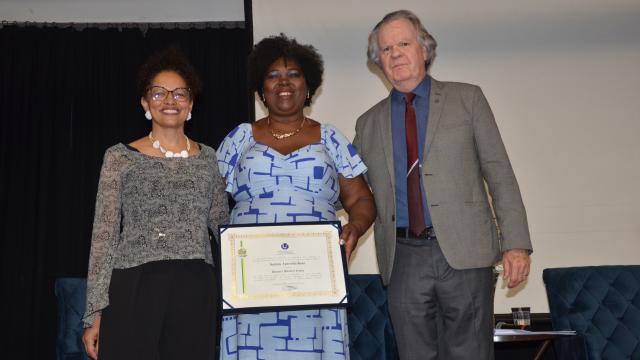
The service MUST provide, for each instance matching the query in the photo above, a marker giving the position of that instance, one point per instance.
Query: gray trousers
(439, 312)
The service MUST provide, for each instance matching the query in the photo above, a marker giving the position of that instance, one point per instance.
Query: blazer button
(393, 218)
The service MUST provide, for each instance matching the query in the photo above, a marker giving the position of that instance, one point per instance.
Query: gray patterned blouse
(149, 209)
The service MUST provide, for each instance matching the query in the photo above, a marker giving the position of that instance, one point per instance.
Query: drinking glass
(521, 317)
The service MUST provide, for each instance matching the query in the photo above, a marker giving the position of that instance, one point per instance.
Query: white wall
(563, 79)
(121, 10)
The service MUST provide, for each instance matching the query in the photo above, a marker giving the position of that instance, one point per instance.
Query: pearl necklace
(278, 135)
(170, 154)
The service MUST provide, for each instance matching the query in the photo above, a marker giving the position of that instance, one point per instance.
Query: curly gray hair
(424, 38)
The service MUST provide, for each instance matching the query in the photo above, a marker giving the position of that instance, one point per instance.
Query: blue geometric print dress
(270, 187)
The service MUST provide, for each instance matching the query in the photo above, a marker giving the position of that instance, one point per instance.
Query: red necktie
(414, 191)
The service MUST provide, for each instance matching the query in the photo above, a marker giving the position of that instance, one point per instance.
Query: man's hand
(516, 264)
(90, 338)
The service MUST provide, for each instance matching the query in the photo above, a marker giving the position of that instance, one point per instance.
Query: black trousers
(161, 310)
(439, 312)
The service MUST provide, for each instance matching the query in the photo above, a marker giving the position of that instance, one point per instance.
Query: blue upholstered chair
(71, 294)
(602, 304)
(370, 330)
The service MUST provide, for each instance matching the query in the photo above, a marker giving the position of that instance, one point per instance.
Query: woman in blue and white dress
(289, 168)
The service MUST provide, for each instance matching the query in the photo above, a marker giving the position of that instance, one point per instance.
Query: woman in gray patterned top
(151, 288)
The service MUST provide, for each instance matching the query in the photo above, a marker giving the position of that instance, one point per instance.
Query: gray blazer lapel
(436, 104)
(385, 133)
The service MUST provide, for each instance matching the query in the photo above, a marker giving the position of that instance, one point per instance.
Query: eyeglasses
(159, 93)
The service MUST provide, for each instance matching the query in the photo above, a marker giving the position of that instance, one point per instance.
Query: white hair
(424, 38)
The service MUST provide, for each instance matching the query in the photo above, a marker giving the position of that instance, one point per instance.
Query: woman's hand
(357, 200)
(349, 238)
(90, 338)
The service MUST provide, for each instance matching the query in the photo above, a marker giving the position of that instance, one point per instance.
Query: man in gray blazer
(436, 160)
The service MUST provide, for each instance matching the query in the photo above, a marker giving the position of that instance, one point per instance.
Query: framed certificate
(282, 266)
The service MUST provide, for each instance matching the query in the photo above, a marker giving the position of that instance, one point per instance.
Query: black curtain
(66, 94)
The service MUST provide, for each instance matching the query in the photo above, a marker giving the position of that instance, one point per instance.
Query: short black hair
(272, 48)
(169, 59)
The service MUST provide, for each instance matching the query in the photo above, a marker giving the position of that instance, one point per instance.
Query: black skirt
(161, 310)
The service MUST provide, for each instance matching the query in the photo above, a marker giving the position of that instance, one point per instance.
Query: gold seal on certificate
(282, 266)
